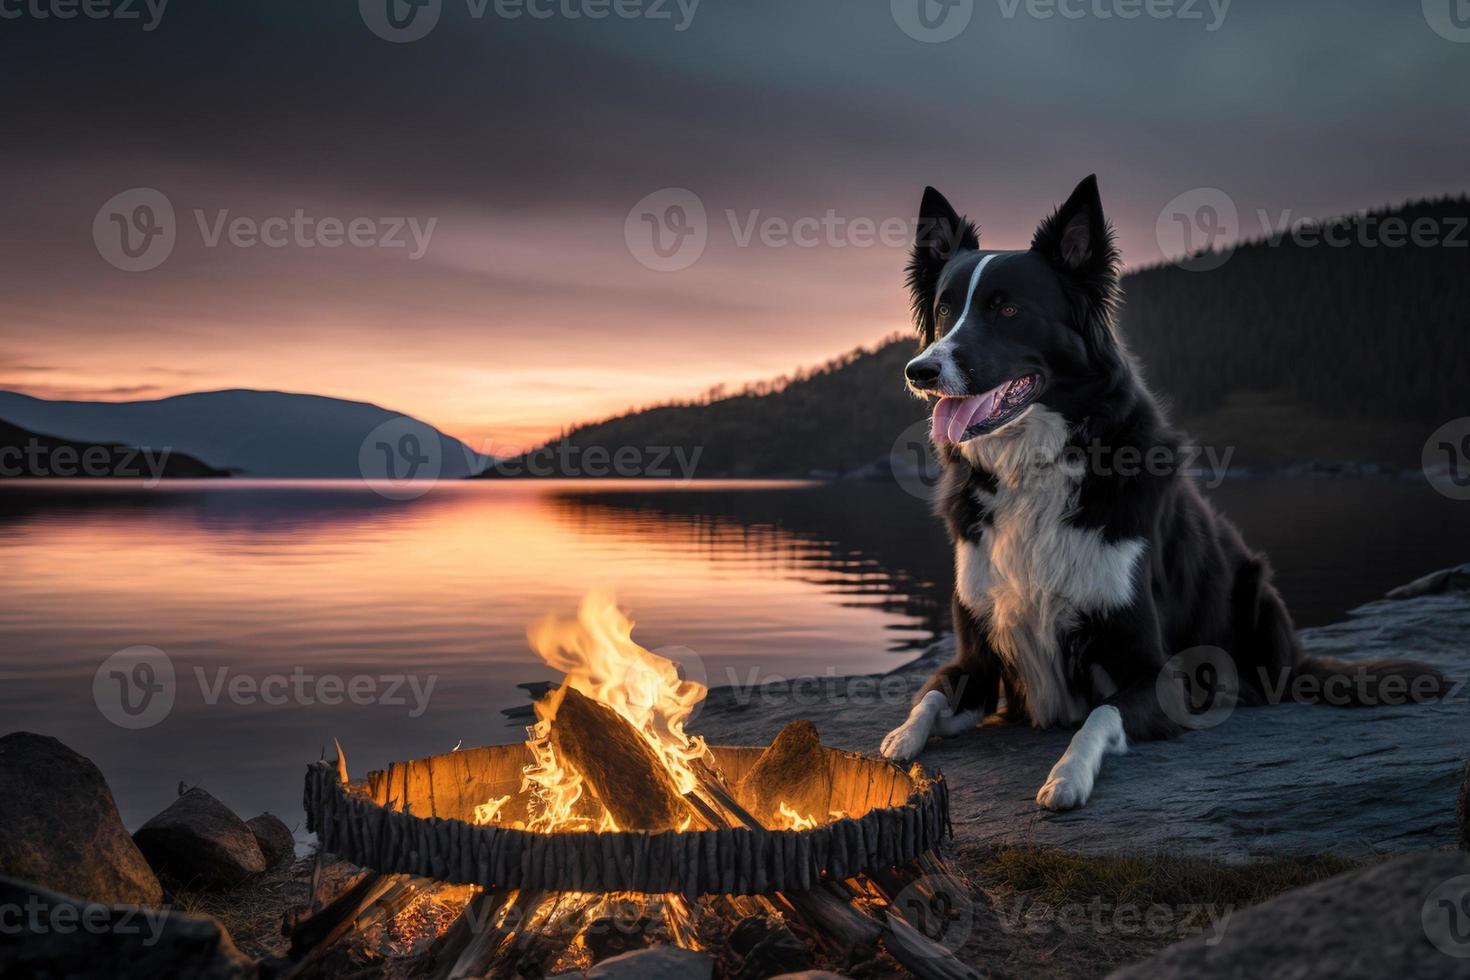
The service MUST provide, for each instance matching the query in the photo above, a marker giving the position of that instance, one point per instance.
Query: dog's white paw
(905, 742)
(1065, 790)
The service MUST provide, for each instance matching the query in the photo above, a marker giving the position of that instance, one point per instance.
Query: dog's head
(1004, 331)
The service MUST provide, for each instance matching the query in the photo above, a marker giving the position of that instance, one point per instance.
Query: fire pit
(769, 856)
(419, 818)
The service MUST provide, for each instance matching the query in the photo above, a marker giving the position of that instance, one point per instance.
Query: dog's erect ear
(942, 234)
(1078, 241)
(1077, 238)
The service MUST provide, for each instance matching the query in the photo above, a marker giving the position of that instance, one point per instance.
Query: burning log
(617, 764)
(792, 770)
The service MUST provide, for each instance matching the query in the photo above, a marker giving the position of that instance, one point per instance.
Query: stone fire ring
(417, 819)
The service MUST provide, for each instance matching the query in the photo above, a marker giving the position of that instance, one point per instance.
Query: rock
(49, 934)
(59, 826)
(766, 947)
(1370, 923)
(1284, 780)
(277, 845)
(1435, 583)
(199, 840)
(659, 963)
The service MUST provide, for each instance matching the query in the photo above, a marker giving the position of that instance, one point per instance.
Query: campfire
(612, 828)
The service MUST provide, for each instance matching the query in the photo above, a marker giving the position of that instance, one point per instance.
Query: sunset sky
(527, 141)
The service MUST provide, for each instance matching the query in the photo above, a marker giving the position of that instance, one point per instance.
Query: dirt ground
(1020, 912)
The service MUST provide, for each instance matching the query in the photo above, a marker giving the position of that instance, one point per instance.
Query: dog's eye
(1009, 310)
(943, 310)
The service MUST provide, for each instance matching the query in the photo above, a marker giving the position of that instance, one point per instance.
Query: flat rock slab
(1280, 780)
(1403, 918)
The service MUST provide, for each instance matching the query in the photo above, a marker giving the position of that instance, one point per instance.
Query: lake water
(263, 596)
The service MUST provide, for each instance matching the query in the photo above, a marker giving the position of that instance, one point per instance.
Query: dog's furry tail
(1365, 683)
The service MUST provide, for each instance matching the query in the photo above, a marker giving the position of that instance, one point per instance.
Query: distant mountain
(836, 417)
(30, 455)
(257, 433)
(1291, 350)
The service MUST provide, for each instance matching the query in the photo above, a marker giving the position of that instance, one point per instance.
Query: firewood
(792, 770)
(618, 765)
(922, 956)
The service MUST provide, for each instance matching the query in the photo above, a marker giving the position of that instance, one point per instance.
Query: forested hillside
(1293, 349)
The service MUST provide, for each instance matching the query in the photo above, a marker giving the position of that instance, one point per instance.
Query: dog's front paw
(1064, 790)
(905, 742)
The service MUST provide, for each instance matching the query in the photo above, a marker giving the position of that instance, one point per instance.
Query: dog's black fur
(1049, 312)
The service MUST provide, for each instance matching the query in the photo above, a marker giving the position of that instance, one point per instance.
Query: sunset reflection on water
(259, 580)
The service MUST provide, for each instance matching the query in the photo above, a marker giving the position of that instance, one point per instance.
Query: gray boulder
(276, 842)
(197, 840)
(59, 825)
(51, 935)
(659, 963)
(1404, 918)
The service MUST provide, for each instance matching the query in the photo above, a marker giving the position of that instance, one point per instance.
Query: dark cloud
(530, 139)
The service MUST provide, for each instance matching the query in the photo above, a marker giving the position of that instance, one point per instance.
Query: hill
(1293, 349)
(30, 455)
(251, 433)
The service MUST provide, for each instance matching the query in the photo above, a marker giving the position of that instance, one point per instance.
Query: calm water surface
(239, 583)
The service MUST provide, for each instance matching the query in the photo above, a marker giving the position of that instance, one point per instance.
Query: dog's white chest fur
(1031, 575)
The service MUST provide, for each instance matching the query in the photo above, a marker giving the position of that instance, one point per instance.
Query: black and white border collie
(1076, 580)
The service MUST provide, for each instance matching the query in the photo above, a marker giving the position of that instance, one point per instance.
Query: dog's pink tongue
(952, 416)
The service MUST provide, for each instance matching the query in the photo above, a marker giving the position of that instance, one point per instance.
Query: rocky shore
(198, 891)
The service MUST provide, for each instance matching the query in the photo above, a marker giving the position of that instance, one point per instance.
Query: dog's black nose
(922, 373)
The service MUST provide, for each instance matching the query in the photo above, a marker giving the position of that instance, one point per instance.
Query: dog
(1086, 591)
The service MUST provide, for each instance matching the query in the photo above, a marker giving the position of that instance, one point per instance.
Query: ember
(612, 828)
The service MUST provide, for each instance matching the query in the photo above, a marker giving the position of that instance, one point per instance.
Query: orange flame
(597, 653)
